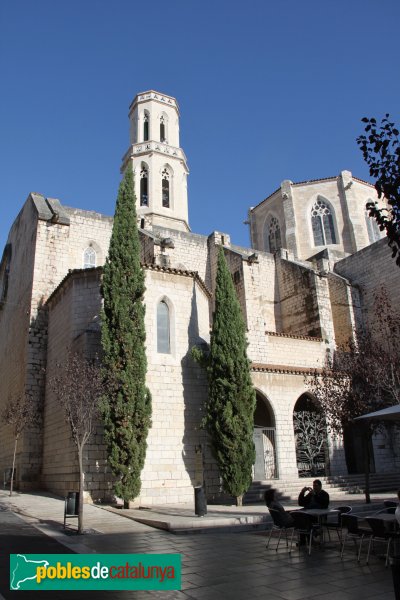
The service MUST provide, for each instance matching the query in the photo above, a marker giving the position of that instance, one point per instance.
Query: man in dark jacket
(314, 497)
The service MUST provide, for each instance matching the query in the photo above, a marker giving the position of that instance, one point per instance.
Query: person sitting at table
(314, 497)
(397, 512)
(273, 504)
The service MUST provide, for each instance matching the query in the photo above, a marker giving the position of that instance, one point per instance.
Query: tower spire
(158, 162)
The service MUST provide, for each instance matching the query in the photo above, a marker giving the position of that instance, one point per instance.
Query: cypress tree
(126, 406)
(229, 415)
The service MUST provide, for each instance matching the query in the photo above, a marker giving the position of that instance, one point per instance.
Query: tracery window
(165, 188)
(89, 258)
(274, 235)
(146, 126)
(162, 129)
(163, 328)
(144, 187)
(372, 227)
(322, 224)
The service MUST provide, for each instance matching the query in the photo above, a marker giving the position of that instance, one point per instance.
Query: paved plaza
(215, 564)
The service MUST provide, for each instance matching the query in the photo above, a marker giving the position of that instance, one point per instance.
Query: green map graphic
(24, 570)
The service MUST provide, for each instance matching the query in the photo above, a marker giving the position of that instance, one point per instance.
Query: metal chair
(390, 504)
(353, 531)
(336, 524)
(389, 510)
(380, 534)
(278, 525)
(305, 527)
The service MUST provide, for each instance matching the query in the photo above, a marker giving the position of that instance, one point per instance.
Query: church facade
(305, 285)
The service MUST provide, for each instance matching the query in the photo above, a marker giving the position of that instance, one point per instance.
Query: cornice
(181, 272)
(294, 337)
(284, 369)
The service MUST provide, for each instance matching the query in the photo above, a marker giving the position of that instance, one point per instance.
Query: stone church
(305, 285)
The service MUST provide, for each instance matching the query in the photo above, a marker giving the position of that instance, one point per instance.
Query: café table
(320, 514)
(389, 519)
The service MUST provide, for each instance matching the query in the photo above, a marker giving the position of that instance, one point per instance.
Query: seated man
(283, 517)
(397, 513)
(314, 497)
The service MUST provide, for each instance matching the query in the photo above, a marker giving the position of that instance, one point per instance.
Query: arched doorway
(266, 465)
(311, 438)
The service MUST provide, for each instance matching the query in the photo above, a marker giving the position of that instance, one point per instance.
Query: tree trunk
(13, 465)
(81, 484)
(367, 458)
(239, 500)
(126, 503)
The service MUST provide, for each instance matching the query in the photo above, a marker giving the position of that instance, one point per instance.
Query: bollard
(200, 502)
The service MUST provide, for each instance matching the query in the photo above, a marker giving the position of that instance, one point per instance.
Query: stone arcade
(305, 286)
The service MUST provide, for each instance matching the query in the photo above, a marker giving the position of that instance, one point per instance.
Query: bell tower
(158, 162)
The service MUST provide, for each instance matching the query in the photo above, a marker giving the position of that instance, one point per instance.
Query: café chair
(354, 531)
(305, 527)
(336, 523)
(380, 534)
(390, 504)
(278, 525)
(389, 510)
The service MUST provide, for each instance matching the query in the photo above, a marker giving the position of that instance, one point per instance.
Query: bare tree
(18, 413)
(381, 151)
(310, 432)
(363, 376)
(78, 387)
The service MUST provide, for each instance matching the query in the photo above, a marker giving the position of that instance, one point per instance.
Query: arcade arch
(311, 437)
(266, 464)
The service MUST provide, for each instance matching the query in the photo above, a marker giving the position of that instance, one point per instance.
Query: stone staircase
(336, 485)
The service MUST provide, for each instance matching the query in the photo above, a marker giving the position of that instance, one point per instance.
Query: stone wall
(346, 308)
(298, 299)
(23, 336)
(190, 251)
(369, 270)
(73, 324)
(176, 443)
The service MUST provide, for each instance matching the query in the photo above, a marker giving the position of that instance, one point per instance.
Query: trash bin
(395, 564)
(72, 503)
(71, 507)
(200, 502)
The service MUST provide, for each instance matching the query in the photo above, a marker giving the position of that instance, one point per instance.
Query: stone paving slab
(47, 511)
(180, 517)
(214, 566)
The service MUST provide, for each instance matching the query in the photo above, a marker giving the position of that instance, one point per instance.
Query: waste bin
(395, 564)
(71, 507)
(200, 502)
(72, 503)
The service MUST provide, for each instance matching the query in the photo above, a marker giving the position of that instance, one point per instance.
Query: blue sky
(268, 90)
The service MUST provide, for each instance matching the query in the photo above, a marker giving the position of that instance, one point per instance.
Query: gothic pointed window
(274, 235)
(89, 258)
(144, 187)
(162, 129)
(146, 124)
(165, 188)
(163, 329)
(322, 224)
(372, 227)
